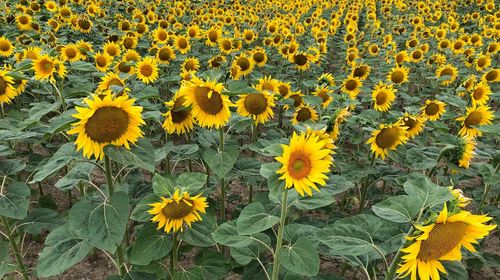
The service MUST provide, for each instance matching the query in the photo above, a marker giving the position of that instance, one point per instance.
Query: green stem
(222, 181)
(2, 112)
(487, 188)
(364, 189)
(14, 248)
(109, 178)
(121, 261)
(174, 255)
(440, 156)
(279, 241)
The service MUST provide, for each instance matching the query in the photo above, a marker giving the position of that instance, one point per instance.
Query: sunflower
(459, 198)
(147, 70)
(249, 35)
(304, 113)
(351, 86)
(333, 125)
(464, 151)
(325, 94)
(213, 36)
(481, 93)
(326, 78)
(245, 63)
(102, 61)
(398, 75)
(112, 49)
(110, 80)
(160, 35)
(216, 61)
(209, 106)
(301, 61)
(361, 71)
(387, 138)
(259, 56)
(45, 67)
(7, 89)
(414, 125)
(191, 64)
(305, 163)
(179, 209)
(267, 83)
(70, 53)
(106, 121)
(447, 74)
(165, 54)
(442, 240)
(258, 106)
(284, 89)
(6, 47)
(85, 48)
(383, 95)
(182, 44)
(482, 62)
(24, 21)
(235, 72)
(475, 116)
(492, 76)
(433, 109)
(178, 118)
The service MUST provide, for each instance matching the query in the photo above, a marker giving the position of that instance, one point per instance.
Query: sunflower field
(249, 139)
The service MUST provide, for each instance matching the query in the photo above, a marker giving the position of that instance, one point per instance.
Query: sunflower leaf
(150, 245)
(221, 163)
(398, 209)
(63, 156)
(428, 193)
(14, 200)
(301, 257)
(254, 219)
(139, 156)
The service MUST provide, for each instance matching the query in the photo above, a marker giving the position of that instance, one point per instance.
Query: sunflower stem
(2, 112)
(397, 259)
(279, 240)
(487, 188)
(13, 245)
(121, 262)
(364, 189)
(222, 181)
(173, 255)
(109, 177)
(438, 159)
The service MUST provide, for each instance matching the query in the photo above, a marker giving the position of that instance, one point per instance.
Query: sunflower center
(303, 115)
(478, 93)
(482, 62)
(182, 43)
(299, 165)
(243, 63)
(492, 75)
(359, 72)
(258, 57)
(474, 118)
(300, 59)
(397, 77)
(107, 124)
(162, 36)
(112, 51)
(297, 100)
(446, 72)
(213, 104)
(3, 86)
(283, 90)
(351, 85)
(387, 137)
(4, 46)
(442, 239)
(431, 109)
(71, 53)
(23, 20)
(213, 36)
(410, 123)
(381, 98)
(324, 95)
(164, 54)
(123, 67)
(177, 210)
(190, 65)
(47, 66)
(146, 70)
(115, 82)
(179, 113)
(84, 24)
(256, 103)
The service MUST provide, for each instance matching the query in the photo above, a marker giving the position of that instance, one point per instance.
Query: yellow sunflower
(216, 61)
(325, 94)
(112, 49)
(304, 113)
(178, 118)
(191, 64)
(6, 47)
(414, 125)
(442, 240)
(102, 61)
(398, 75)
(326, 78)
(259, 56)
(492, 76)
(245, 63)
(267, 83)
(387, 138)
(258, 106)
(447, 74)
(305, 163)
(213, 36)
(361, 71)
(70, 53)
(106, 121)
(110, 80)
(383, 95)
(174, 212)
(302, 61)
(352, 86)
(147, 70)
(475, 116)
(209, 106)
(165, 54)
(333, 125)
(7, 89)
(465, 151)
(182, 44)
(481, 93)
(285, 89)
(482, 62)
(460, 199)
(45, 67)
(433, 109)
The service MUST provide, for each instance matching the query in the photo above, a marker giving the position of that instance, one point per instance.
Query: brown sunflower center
(115, 82)
(3, 86)
(381, 97)
(101, 61)
(176, 210)
(397, 77)
(243, 63)
(4, 46)
(258, 57)
(213, 36)
(410, 123)
(107, 124)
(431, 109)
(387, 137)
(297, 100)
(182, 43)
(23, 20)
(299, 165)
(442, 239)
(283, 90)
(324, 95)
(84, 24)
(474, 118)
(482, 62)
(179, 113)
(164, 54)
(256, 103)
(211, 105)
(359, 71)
(162, 36)
(300, 59)
(123, 67)
(351, 85)
(478, 93)
(446, 72)
(71, 53)
(47, 66)
(491, 76)
(304, 114)
(146, 70)
(128, 43)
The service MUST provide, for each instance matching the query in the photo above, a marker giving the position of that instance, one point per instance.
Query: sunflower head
(398, 75)
(433, 109)
(258, 106)
(475, 116)
(387, 138)
(383, 95)
(175, 212)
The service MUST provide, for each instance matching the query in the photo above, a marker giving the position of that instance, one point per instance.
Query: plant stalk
(364, 189)
(174, 255)
(487, 188)
(222, 181)
(14, 248)
(279, 241)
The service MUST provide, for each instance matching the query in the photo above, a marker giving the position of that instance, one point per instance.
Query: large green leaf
(14, 200)
(254, 218)
(103, 223)
(162, 186)
(140, 212)
(80, 172)
(62, 250)
(40, 219)
(428, 193)
(61, 158)
(301, 257)
(221, 163)
(213, 265)
(244, 255)
(226, 234)
(191, 182)
(151, 244)
(10, 167)
(200, 232)
(399, 209)
(5, 265)
(139, 156)
(318, 200)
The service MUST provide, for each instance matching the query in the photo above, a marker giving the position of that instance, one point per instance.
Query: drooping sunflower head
(259, 106)
(383, 95)
(210, 107)
(387, 138)
(475, 116)
(326, 78)
(447, 74)
(147, 70)
(304, 113)
(305, 163)
(106, 121)
(178, 118)
(398, 75)
(433, 110)
(175, 212)
(111, 82)
(459, 198)
(352, 86)
(414, 125)
(361, 71)
(442, 240)
(7, 89)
